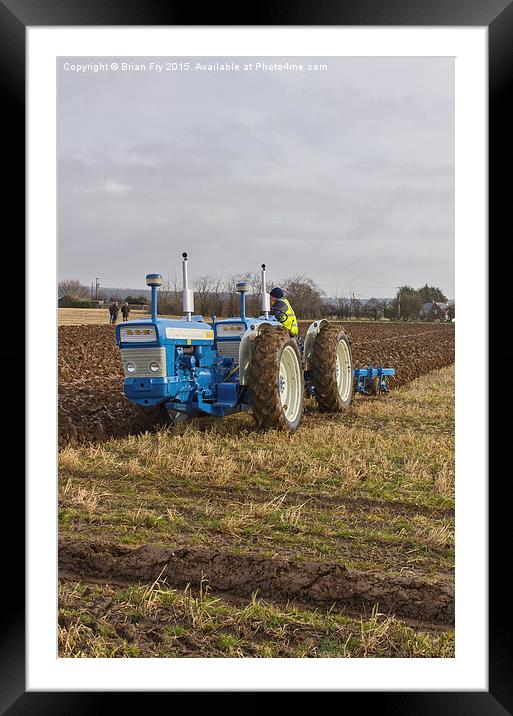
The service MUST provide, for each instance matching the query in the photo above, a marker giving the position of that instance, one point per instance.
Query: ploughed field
(91, 401)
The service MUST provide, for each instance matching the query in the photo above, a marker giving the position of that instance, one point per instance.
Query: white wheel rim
(289, 384)
(343, 370)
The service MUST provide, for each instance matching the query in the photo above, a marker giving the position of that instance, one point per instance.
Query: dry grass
(96, 316)
(373, 487)
(87, 498)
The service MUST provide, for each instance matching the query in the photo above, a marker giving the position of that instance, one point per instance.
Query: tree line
(405, 306)
(214, 294)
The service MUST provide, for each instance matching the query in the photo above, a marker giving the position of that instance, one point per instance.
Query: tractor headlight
(154, 366)
(130, 367)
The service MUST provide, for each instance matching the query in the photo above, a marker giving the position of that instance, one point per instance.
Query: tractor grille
(137, 334)
(229, 348)
(141, 358)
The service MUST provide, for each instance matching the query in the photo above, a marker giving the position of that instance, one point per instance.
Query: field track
(91, 401)
(317, 584)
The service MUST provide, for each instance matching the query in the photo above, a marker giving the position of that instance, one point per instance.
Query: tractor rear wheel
(275, 379)
(332, 369)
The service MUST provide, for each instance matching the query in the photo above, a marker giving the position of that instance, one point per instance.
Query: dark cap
(277, 293)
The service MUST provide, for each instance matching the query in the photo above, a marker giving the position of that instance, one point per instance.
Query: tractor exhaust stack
(188, 293)
(265, 302)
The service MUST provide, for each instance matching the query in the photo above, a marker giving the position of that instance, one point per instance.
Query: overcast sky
(346, 175)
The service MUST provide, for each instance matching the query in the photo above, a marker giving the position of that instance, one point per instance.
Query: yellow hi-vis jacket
(284, 313)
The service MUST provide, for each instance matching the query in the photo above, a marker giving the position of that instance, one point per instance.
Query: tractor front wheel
(275, 379)
(332, 369)
(152, 418)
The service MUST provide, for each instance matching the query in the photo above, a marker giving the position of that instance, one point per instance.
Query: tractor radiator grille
(229, 348)
(137, 334)
(141, 358)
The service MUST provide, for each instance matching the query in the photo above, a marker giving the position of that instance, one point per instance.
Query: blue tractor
(176, 368)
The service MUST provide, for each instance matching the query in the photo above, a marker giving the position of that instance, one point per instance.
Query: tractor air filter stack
(154, 280)
(188, 293)
(265, 301)
(242, 288)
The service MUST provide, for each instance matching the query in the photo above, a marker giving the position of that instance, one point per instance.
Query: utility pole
(399, 302)
(97, 284)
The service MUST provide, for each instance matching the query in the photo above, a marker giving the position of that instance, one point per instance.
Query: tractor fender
(313, 330)
(245, 350)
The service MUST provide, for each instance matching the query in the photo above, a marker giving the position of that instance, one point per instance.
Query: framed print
(212, 528)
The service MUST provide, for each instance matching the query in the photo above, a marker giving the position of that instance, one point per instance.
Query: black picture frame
(497, 16)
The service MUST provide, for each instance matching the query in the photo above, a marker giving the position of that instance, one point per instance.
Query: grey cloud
(347, 176)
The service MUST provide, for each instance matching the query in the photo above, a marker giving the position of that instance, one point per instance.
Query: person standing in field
(125, 310)
(114, 310)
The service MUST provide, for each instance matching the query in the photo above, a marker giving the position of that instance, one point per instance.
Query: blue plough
(371, 380)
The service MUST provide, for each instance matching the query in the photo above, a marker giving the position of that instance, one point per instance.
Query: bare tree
(201, 290)
(216, 297)
(209, 294)
(231, 298)
(304, 295)
(254, 281)
(387, 308)
(373, 309)
(356, 307)
(170, 299)
(342, 307)
(73, 288)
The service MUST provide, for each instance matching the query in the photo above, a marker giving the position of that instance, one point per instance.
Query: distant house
(435, 311)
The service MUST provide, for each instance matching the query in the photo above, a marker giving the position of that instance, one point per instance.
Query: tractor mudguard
(313, 330)
(245, 350)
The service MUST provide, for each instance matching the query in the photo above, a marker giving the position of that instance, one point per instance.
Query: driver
(283, 311)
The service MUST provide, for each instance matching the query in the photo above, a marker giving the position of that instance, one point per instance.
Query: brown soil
(313, 583)
(91, 401)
